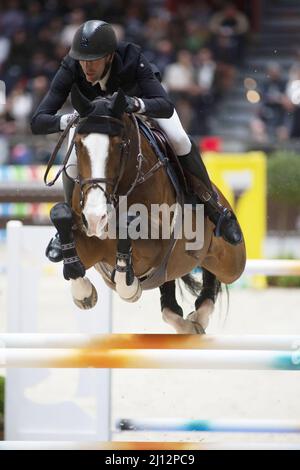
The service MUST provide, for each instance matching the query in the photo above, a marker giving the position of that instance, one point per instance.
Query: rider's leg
(194, 168)
(53, 250)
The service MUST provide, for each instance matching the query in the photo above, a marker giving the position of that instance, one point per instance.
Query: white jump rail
(150, 341)
(273, 267)
(209, 425)
(123, 445)
(150, 359)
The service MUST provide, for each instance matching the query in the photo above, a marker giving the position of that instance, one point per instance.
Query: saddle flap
(162, 147)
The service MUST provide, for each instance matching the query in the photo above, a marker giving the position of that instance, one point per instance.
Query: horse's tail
(192, 285)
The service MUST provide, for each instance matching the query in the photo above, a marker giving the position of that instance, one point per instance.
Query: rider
(100, 66)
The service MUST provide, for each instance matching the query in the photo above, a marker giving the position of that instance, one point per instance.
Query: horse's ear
(82, 105)
(118, 103)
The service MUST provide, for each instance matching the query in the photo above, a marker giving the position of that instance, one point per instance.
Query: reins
(55, 152)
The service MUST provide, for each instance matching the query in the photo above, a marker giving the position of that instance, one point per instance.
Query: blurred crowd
(198, 46)
(278, 115)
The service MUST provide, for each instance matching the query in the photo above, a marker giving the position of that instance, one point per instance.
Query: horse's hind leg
(204, 304)
(172, 313)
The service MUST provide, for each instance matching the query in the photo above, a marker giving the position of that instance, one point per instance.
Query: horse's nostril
(103, 218)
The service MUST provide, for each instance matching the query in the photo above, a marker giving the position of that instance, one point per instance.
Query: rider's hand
(66, 119)
(133, 104)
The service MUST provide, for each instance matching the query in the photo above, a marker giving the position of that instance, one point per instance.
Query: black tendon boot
(53, 250)
(197, 176)
(62, 217)
(124, 253)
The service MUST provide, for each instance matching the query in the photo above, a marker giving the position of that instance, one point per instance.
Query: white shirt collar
(103, 80)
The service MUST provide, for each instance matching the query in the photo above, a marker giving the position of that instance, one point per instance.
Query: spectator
(4, 49)
(196, 36)
(229, 28)
(35, 18)
(272, 118)
(293, 94)
(162, 55)
(17, 63)
(19, 105)
(179, 79)
(38, 87)
(204, 101)
(12, 19)
(155, 29)
(76, 18)
(133, 24)
(206, 70)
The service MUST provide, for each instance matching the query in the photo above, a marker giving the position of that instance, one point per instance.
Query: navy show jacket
(130, 71)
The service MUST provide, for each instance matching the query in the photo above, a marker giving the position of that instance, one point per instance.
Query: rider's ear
(82, 105)
(118, 103)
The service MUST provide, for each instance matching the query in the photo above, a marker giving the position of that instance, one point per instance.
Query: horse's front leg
(83, 292)
(127, 284)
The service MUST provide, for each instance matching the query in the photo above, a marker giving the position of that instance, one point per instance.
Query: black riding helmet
(93, 40)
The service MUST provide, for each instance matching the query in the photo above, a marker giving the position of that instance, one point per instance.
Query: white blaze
(95, 209)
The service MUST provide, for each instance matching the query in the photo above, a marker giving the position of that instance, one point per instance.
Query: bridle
(86, 184)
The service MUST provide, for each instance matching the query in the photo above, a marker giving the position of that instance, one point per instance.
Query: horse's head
(100, 134)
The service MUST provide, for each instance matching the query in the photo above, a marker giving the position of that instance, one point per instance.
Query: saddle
(165, 153)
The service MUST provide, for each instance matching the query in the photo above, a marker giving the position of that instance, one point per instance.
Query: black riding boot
(53, 250)
(224, 219)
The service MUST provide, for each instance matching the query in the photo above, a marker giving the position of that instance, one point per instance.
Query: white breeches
(176, 134)
(72, 163)
(171, 126)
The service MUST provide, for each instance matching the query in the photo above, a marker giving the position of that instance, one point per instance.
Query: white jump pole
(123, 445)
(273, 267)
(209, 425)
(150, 341)
(151, 359)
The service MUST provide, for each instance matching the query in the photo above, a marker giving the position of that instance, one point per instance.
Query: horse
(116, 160)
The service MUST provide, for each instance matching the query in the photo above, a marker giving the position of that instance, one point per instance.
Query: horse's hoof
(87, 302)
(198, 328)
(181, 326)
(130, 293)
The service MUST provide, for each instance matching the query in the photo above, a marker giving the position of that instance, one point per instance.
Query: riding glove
(66, 118)
(134, 105)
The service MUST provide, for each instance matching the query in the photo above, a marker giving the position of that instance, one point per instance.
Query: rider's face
(93, 69)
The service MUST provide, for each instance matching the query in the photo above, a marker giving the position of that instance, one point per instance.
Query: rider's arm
(156, 102)
(45, 120)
